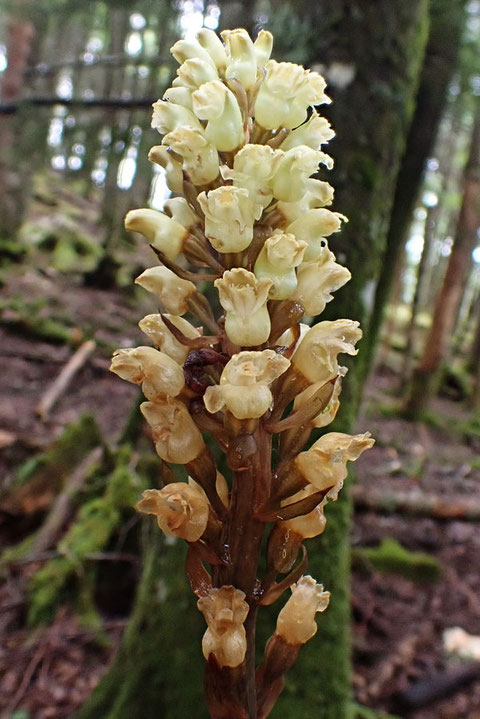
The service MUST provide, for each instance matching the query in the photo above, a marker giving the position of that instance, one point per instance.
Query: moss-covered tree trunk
(378, 47)
(372, 55)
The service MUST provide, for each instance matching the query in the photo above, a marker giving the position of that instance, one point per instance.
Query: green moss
(90, 532)
(365, 713)
(391, 558)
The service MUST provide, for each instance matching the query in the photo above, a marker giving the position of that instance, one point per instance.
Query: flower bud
(263, 47)
(279, 256)
(194, 72)
(184, 50)
(200, 157)
(210, 41)
(316, 280)
(312, 227)
(316, 355)
(318, 194)
(229, 218)
(213, 101)
(253, 168)
(313, 133)
(285, 95)
(168, 116)
(155, 328)
(244, 384)
(296, 621)
(179, 209)
(161, 231)
(176, 436)
(293, 170)
(158, 374)
(325, 463)
(242, 60)
(225, 611)
(173, 169)
(181, 509)
(172, 291)
(244, 298)
(179, 95)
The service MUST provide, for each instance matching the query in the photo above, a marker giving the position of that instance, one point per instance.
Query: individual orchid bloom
(325, 463)
(159, 375)
(184, 50)
(179, 95)
(210, 42)
(195, 72)
(244, 388)
(200, 157)
(225, 611)
(317, 280)
(279, 256)
(296, 621)
(242, 59)
(317, 194)
(229, 217)
(179, 209)
(253, 169)
(263, 47)
(160, 155)
(161, 231)
(244, 298)
(329, 413)
(313, 227)
(168, 116)
(214, 102)
(181, 509)
(308, 525)
(316, 355)
(171, 290)
(156, 329)
(176, 437)
(290, 180)
(315, 132)
(286, 94)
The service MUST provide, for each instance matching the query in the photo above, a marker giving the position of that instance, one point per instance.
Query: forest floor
(398, 622)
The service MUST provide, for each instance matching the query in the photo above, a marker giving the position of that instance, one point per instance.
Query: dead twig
(416, 503)
(61, 382)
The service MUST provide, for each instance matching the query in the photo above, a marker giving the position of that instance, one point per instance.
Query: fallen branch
(61, 382)
(62, 507)
(416, 503)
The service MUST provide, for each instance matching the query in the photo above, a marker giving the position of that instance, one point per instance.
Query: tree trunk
(446, 23)
(425, 375)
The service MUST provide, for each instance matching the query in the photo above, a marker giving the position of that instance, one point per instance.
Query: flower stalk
(241, 141)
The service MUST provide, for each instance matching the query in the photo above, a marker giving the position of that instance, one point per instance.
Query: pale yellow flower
(316, 355)
(244, 387)
(244, 298)
(312, 227)
(210, 42)
(159, 375)
(225, 611)
(200, 157)
(263, 47)
(296, 621)
(229, 218)
(242, 59)
(317, 194)
(181, 509)
(330, 412)
(155, 328)
(317, 280)
(161, 231)
(168, 116)
(286, 93)
(195, 72)
(325, 463)
(176, 436)
(290, 180)
(185, 49)
(172, 291)
(173, 168)
(315, 132)
(279, 256)
(253, 169)
(214, 102)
